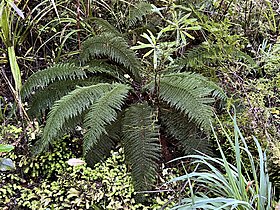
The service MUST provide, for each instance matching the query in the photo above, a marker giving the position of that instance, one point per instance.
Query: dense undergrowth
(49, 182)
(148, 75)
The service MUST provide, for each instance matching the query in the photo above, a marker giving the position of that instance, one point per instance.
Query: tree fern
(141, 143)
(136, 12)
(78, 95)
(43, 78)
(67, 107)
(103, 112)
(113, 47)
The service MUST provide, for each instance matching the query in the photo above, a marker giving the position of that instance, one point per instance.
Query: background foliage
(233, 43)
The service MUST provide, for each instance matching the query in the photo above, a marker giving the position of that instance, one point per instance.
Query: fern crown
(112, 107)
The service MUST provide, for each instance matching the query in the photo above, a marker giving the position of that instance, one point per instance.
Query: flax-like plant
(224, 185)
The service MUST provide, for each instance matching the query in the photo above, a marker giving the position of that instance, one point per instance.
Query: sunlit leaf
(6, 148)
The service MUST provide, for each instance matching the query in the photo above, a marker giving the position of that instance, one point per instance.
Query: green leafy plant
(107, 185)
(115, 100)
(228, 186)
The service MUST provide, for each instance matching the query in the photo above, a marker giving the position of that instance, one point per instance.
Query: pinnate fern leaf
(102, 148)
(43, 78)
(141, 143)
(44, 99)
(205, 54)
(189, 136)
(103, 112)
(137, 12)
(189, 93)
(105, 26)
(69, 106)
(113, 47)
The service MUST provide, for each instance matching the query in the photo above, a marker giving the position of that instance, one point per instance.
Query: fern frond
(103, 112)
(43, 78)
(105, 26)
(113, 47)
(207, 54)
(188, 135)
(136, 12)
(140, 136)
(188, 93)
(68, 107)
(101, 67)
(105, 144)
(44, 99)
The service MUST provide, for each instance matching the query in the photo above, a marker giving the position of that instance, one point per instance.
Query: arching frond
(43, 78)
(189, 136)
(99, 66)
(105, 26)
(136, 12)
(113, 47)
(206, 54)
(140, 135)
(103, 112)
(44, 99)
(105, 144)
(68, 107)
(188, 93)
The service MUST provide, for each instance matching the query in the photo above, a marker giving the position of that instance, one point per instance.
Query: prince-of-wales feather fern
(113, 107)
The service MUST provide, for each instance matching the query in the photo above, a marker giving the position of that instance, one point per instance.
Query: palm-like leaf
(103, 112)
(141, 143)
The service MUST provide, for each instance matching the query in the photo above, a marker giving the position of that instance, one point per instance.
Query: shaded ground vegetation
(158, 104)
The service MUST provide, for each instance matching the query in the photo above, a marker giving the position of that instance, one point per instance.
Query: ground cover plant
(143, 76)
(228, 186)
